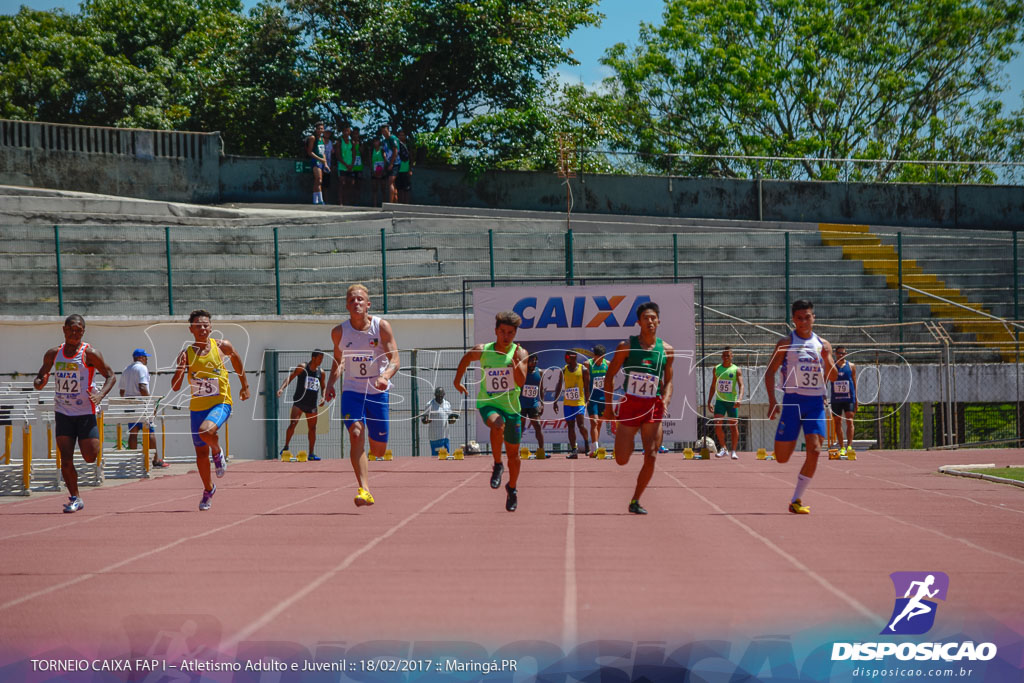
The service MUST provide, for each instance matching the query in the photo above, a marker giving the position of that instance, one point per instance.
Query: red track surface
(285, 556)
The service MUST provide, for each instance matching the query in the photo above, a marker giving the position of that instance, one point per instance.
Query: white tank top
(72, 383)
(803, 371)
(363, 356)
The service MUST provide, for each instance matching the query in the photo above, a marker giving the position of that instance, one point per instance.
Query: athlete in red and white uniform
(75, 399)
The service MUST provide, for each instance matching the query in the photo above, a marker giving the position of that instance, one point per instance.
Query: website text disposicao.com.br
(903, 673)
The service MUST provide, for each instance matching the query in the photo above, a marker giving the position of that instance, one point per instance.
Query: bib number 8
(361, 366)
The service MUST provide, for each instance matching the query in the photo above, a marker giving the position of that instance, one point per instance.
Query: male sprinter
(597, 368)
(74, 400)
(806, 362)
(576, 379)
(646, 362)
(503, 366)
(724, 402)
(306, 399)
(844, 400)
(365, 349)
(531, 402)
(203, 362)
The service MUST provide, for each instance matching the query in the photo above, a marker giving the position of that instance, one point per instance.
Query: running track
(285, 556)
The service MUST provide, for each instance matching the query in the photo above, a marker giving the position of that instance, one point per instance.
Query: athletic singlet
(208, 378)
(644, 369)
(344, 154)
(307, 387)
(498, 387)
(377, 161)
(529, 397)
(320, 147)
(597, 376)
(73, 382)
(843, 390)
(357, 164)
(572, 386)
(363, 356)
(802, 368)
(726, 384)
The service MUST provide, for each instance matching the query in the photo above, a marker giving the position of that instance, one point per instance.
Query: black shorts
(841, 408)
(403, 181)
(530, 413)
(306, 408)
(355, 175)
(76, 426)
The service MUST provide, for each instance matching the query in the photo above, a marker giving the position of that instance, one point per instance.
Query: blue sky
(621, 24)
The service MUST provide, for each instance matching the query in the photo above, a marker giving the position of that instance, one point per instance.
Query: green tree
(871, 79)
(428, 64)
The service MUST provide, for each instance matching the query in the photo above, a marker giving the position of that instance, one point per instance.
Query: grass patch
(1016, 473)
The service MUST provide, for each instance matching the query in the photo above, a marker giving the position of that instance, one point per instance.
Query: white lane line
(569, 606)
(815, 576)
(938, 493)
(173, 544)
(79, 519)
(274, 612)
(940, 534)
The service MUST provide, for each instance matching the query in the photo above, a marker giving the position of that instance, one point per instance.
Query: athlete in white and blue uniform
(805, 360)
(844, 400)
(365, 349)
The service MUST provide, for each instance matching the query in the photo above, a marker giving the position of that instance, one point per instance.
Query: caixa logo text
(579, 311)
(922, 652)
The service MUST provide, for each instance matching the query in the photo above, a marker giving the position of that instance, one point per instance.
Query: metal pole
(270, 397)
(785, 309)
(277, 272)
(60, 277)
(569, 270)
(384, 267)
(899, 287)
(170, 279)
(415, 403)
(490, 252)
(675, 258)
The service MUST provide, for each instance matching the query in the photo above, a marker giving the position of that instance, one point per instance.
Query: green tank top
(597, 379)
(345, 155)
(725, 383)
(644, 369)
(358, 165)
(498, 387)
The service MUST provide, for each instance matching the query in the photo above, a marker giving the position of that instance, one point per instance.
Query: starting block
(524, 453)
(602, 453)
(388, 455)
(301, 456)
(442, 453)
(541, 455)
(762, 454)
(459, 455)
(705, 453)
(286, 456)
(688, 453)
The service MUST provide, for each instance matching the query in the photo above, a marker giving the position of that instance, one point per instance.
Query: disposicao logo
(914, 614)
(579, 311)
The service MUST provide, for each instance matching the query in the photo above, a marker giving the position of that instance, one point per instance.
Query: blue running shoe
(74, 504)
(219, 464)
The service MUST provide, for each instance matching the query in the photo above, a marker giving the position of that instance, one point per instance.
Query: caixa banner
(561, 322)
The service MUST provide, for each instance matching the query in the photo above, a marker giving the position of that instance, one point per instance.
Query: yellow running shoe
(363, 498)
(798, 508)
(851, 454)
(842, 451)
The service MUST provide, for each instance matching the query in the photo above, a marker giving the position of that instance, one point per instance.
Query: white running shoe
(734, 456)
(722, 453)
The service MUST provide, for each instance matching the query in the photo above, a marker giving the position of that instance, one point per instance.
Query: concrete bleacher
(122, 268)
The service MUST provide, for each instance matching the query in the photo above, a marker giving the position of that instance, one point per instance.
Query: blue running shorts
(801, 411)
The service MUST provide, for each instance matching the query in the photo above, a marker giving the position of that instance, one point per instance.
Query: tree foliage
(871, 79)
(428, 64)
(162, 64)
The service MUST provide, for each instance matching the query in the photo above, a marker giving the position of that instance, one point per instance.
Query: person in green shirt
(724, 402)
(346, 165)
(503, 369)
(403, 183)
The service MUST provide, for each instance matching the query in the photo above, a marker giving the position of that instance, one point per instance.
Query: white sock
(801, 486)
(314, 196)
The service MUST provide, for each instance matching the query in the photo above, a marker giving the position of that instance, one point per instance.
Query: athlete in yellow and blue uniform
(203, 362)
(575, 379)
